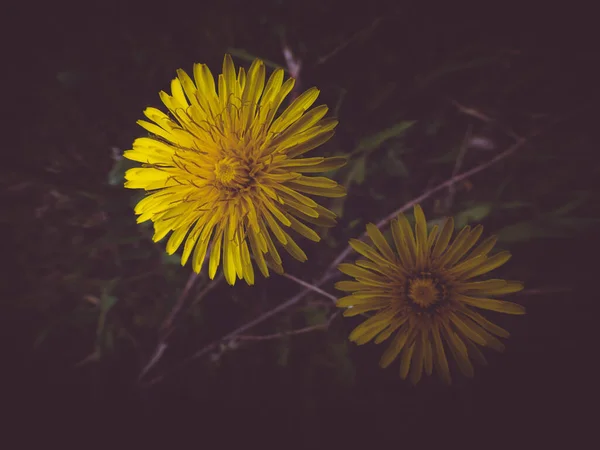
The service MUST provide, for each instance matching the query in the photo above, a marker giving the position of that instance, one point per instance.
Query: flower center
(231, 173)
(423, 291)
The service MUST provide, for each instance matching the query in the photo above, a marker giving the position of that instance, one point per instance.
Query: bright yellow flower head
(223, 169)
(423, 294)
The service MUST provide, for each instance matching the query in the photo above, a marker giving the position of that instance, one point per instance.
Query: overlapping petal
(224, 173)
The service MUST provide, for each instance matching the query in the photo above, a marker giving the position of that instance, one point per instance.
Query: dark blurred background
(422, 92)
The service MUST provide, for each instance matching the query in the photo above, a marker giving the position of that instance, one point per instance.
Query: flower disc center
(231, 173)
(423, 291)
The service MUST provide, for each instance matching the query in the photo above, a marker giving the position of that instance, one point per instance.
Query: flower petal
(380, 242)
(492, 304)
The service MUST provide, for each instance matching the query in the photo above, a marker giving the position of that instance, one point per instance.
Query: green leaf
(475, 213)
(381, 96)
(315, 316)
(522, 231)
(173, 259)
(354, 223)
(337, 206)
(394, 164)
(116, 176)
(376, 140)
(283, 345)
(575, 224)
(445, 158)
(456, 66)
(249, 57)
(580, 199)
(548, 227)
(283, 351)
(357, 173)
(433, 127)
(107, 301)
(340, 358)
(514, 205)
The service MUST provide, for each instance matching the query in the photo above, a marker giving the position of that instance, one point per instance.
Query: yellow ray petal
(295, 110)
(492, 304)
(444, 238)
(258, 253)
(474, 353)
(460, 251)
(302, 124)
(440, 360)
(459, 350)
(215, 254)
(420, 237)
(368, 252)
(360, 309)
(454, 247)
(199, 254)
(380, 242)
(367, 330)
(406, 257)
(483, 322)
(293, 248)
(349, 286)
(302, 229)
(314, 165)
(307, 145)
(248, 270)
(361, 300)
(405, 359)
(336, 191)
(359, 272)
(465, 329)
(394, 325)
(229, 260)
(418, 362)
(485, 247)
(427, 352)
(392, 352)
(487, 266)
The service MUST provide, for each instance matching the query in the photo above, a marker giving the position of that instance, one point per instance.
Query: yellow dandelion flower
(227, 169)
(423, 293)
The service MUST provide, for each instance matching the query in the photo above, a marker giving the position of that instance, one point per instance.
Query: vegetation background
(422, 92)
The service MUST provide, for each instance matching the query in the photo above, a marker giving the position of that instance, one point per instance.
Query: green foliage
(94, 275)
(375, 141)
(474, 214)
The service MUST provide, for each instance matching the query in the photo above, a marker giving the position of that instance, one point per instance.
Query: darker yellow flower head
(225, 169)
(423, 294)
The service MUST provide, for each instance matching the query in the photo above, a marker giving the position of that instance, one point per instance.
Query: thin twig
(322, 326)
(312, 287)
(331, 273)
(430, 192)
(167, 326)
(543, 291)
(484, 118)
(168, 322)
(210, 347)
(457, 166)
(294, 66)
(354, 37)
(209, 287)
